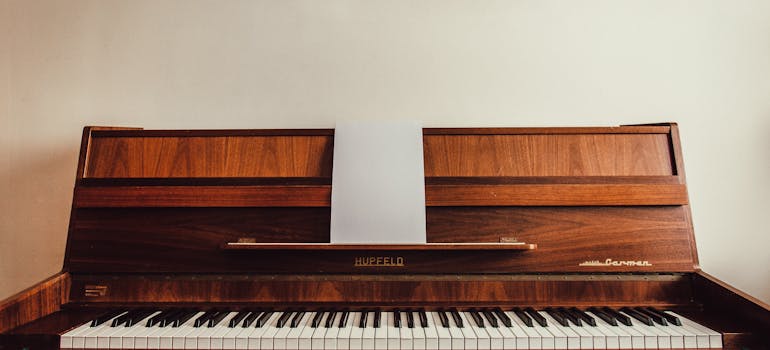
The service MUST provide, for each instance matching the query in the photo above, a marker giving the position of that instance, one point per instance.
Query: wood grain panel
(548, 155)
(188, 240)
(35, 302)
(210, 156)
(441, 291)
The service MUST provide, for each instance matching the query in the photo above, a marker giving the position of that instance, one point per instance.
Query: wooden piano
(530, 231)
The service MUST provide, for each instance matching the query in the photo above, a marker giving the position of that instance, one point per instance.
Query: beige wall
(268, 64)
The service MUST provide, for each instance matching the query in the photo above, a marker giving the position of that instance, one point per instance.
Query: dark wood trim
(555, 195)
(435, 195)
(550, 180)
(35, 302)
(548, 130)
(213, 133)
(729, 303)
(203, 196)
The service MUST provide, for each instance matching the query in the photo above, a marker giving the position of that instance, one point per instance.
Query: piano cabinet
(539, 218)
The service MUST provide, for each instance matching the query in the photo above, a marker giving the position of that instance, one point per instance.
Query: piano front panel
(569, 239)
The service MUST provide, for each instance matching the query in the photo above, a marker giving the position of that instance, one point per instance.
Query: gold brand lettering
(387, 261)
(610, 262)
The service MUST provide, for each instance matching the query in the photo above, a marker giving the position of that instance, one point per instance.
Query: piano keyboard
(520, 328)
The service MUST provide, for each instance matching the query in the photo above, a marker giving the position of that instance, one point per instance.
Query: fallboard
(584, 200)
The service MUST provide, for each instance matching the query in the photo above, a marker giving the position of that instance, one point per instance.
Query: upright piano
(537, 238)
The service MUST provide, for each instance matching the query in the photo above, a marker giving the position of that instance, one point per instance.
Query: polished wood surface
(35, 302)
(606, 208)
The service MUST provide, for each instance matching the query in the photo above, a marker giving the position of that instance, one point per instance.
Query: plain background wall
(289, 64)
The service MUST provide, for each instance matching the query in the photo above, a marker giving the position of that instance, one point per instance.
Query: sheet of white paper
(378, 183)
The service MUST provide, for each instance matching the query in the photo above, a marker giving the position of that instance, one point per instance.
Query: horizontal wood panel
(414, 290)
(214, 156)
(548, 155)
(435, 195)
(189, 240)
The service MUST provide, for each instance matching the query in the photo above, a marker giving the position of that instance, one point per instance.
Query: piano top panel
(510, 152)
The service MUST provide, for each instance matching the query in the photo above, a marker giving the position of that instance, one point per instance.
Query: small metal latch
(95, 290)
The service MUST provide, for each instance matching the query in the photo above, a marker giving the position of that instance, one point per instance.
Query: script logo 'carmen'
(610, 262)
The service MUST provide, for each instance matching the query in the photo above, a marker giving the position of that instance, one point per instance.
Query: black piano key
(295, 321)
(238, 318)
(458, 320)
(170, 317)
(423, 318)
(490, 316)
(537, 317)
(377, 318)
(655, 317)
(214, 321)
(557, 316)
(117, 321)
(477, 318)
(409, 319)
(253, 316)
(444, 319)
(203, 319)
(184, 317)
(523, 317)
(330, 319)
(262, 320)
(344, 319)
(618, 316)
(637, 315)
(317, 319)
(503, 317)
(106, 317)
(583, 316)
(572, 317)
(283, 319)
(362, 321)
(138, 317)
(397, 318)
(157, 318)
(604, 316)
(670, 318)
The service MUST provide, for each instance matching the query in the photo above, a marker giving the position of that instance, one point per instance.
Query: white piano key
(103, 338)
(330, 340)
(637, 338)
(319, 334)
(201, 337)
(217, 338)
(538, 337)
(448, 338)
(469, 336)
(676, 338)
(65, 342)
(182, 337)
(356, 333)
(407, 342)
(431, 334)
(128, 339)
(306, 336)
(367, 338)
(121, 336)
(510, 339)
(496, 341)
(599, 339)
(563, 337)
(149, 339)
(239, 338)
(418, 333)
(388, 335)
(482, 337)
(294, 334)
(614, 338)
(90, 338)
(255, 337)
(267, 339)
(344, 334)
(714, 338)
(650, 336)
